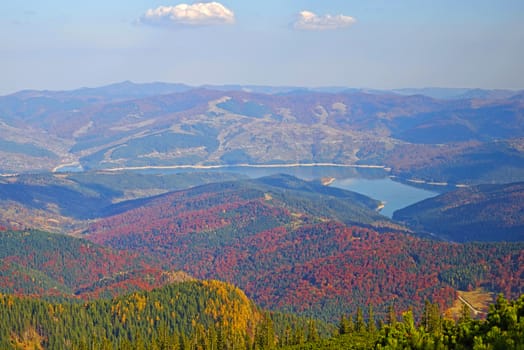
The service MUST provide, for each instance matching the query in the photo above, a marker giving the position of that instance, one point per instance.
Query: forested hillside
(320, 253)
(215, 315)
(292, 245)
(62, 202)
(478, 213)
(44, 264)
(204, 313)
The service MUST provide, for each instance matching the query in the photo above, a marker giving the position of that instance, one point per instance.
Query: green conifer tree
(360, 324)
(372, 326)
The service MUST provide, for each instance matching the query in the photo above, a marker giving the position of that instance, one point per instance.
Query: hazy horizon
(59, 45)
(320, 87)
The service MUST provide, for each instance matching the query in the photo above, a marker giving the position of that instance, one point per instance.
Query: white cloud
(308, 20)
(192, 15)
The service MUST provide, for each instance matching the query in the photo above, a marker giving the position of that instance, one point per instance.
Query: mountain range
(119, 221)
(474, 137)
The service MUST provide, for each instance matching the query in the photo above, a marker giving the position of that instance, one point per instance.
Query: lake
(371, 182)
(394, 195)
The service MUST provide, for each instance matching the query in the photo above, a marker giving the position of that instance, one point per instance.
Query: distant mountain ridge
(131, 89)
(459, 93)
(158, 124)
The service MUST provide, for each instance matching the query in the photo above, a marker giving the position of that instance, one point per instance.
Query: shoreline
(261, 166)
(65, 165)
(430, 183)
(245, 165)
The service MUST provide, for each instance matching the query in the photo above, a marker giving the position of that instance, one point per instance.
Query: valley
(295, 209)
(262, 175)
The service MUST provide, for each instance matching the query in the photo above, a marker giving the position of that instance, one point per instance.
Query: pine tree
(220, 341)
(312, 334)
(298, 337)
(372, 326)
(163, 340)
(344, 325)
(351, 324)
(265, 334)
(360, 324)
(465, 314)
(392, 315)
(287, 337)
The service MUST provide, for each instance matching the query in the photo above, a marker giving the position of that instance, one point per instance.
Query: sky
(383, 44)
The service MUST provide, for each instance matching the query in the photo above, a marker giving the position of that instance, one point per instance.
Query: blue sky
(57, 44)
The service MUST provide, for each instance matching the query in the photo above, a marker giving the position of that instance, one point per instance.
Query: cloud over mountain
(308, 20)
(210, 13)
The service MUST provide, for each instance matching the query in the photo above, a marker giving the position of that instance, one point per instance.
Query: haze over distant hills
(442, 135)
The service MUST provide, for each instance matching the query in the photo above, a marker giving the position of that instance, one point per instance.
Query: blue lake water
(373, 183)
(395, 195)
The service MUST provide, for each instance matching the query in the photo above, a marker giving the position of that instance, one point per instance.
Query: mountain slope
(40, 263)
(478, 213)
(62, 202)
(177, 313)
(464, 163)
(317, 252)
(244, 205)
